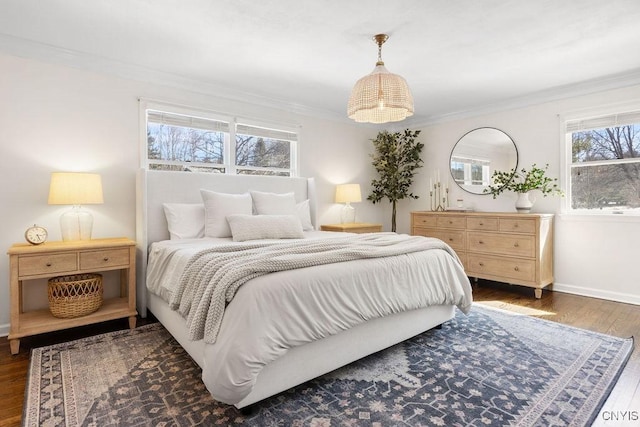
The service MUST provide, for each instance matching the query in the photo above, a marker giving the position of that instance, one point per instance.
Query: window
(468, 171)
(183, 143)
(604, 164)
(191, 142)
(263, 151)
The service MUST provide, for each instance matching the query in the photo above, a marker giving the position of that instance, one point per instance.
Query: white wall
(56, 118)
(593, 256)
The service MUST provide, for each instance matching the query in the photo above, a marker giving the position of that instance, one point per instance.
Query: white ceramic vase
(524, 202)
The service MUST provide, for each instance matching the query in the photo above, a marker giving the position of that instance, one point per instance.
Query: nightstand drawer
(47, 264)
(104, 259)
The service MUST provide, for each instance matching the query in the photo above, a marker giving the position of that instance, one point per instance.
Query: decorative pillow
(303, 211)
(273, 203)
(217, 206)
(256, 227)
(185, 220)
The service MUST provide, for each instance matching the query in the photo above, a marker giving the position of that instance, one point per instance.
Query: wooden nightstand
(353, 227)
(28, 262)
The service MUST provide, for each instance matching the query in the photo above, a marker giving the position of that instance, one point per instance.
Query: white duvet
(273, 313)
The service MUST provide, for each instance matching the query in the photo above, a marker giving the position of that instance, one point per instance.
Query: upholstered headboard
(157, 187)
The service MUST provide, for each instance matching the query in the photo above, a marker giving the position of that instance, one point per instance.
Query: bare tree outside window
(262, 152)
(181, 142)
(605, 168)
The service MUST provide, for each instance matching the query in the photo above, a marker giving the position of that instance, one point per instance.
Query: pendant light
(381, 96)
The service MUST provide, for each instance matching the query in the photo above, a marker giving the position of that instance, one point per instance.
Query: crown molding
(28, 49)
(612, 82)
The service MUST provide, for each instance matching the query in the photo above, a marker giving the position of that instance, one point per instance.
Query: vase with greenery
(396, 159)
(522, 182)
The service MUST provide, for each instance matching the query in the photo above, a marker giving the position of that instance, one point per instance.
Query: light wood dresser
(506, 247)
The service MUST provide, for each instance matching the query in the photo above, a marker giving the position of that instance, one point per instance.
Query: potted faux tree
(523, 182)
(396, 159)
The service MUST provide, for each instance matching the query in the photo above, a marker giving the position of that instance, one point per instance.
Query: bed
(278, 364)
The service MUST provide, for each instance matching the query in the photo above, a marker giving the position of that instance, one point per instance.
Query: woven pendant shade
(381, 96)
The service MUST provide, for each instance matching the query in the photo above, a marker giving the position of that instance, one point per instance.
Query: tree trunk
(393, 216)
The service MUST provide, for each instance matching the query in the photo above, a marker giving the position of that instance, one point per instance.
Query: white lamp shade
(75, 188)
(348, 193)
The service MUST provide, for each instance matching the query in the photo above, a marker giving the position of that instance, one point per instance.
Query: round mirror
(478, 154)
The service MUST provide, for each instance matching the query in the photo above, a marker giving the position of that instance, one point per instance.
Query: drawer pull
(105, 259)
(515, 225)
(481, 264)
(482, 223)
(451, 239)
(480, 242)
(516, 268)
(515, 245)
(48, 264)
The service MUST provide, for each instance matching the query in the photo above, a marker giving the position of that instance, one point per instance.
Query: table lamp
(75, 188)
(347, 194)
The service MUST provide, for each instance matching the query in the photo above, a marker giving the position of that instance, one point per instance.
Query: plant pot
(524, 203)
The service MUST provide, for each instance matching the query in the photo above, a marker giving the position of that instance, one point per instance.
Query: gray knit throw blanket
(212, 276)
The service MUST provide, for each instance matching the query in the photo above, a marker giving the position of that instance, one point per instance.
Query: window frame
(229, 150)
(566, 146)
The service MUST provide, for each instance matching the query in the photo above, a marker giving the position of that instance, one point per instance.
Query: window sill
(600, 217)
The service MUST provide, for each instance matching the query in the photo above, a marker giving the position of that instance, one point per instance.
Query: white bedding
(273, 313)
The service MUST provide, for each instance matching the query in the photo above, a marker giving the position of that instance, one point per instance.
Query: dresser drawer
(47, 264)
(502, 244)
(482, 223)
(453, 238)
(104, 259)
(515, 225)
(451, 222)
(515, 269)
(424, 220)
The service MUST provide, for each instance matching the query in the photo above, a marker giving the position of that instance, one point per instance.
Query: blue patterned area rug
(488, 368)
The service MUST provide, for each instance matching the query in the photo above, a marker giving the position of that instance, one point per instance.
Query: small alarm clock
(36, 234)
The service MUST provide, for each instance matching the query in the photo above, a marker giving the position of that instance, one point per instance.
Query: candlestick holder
(437, 200)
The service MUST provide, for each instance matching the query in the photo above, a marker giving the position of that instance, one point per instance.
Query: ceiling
(459, 57)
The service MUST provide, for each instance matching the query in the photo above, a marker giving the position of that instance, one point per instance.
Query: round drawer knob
(515, 245)
(48, 264)
(516, 268)
(105, 259)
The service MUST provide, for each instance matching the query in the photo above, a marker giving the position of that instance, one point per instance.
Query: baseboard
(597, 293)
(4, 330)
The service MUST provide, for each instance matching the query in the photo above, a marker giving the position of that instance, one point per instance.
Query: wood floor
(621, 320)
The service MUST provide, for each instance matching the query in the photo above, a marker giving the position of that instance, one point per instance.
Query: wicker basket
(76, 295)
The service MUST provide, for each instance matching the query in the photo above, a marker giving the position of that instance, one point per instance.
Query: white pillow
(217, 206)
(273, 203)
(303, 211)
(184, 220)
(256, 227)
